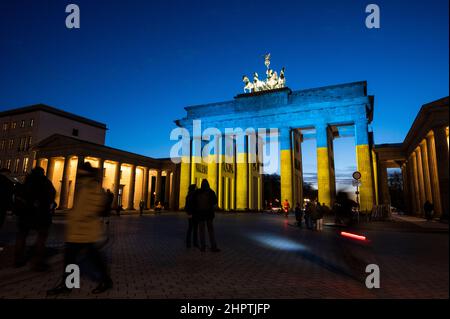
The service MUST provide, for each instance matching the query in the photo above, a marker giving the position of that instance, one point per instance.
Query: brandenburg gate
(323, 113)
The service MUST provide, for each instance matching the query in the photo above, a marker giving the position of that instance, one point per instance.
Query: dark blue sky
(134, 65)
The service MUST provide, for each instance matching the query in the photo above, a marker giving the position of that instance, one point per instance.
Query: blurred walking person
(298, 215)
(192, 232)
(84, 229)
(37, 195)
(205, 204)
(286, 207)
(141, 207)
(109, 201)
(309, 215)
(319, 216)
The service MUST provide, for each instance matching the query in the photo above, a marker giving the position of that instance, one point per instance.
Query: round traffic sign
(356, 175)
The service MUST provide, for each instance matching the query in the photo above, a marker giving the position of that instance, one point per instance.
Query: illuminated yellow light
(286, 176)
(323, 176)
(185, 180)
(242, 182)
(366, 198)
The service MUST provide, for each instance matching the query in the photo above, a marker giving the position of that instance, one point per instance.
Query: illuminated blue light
(277, 242)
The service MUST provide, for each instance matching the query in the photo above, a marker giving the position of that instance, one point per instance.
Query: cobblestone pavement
(263, 256)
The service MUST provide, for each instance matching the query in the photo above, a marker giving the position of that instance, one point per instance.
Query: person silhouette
(84, 230)
(192, 232)
(205, 203)
(38, 195)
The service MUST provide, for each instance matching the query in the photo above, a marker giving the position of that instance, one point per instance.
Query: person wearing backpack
(38, 195)
(190, 209)
(205, 203)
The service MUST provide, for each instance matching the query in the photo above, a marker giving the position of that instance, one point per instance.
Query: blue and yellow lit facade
(322, 114)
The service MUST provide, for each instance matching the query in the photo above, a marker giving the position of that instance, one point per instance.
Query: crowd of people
(33, 204)
(312, 215)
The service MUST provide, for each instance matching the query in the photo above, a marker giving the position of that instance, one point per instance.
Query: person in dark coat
(309, 212)
(192, 232)
(141, 207)
(298, 215)
(319, 216)
(205, 203)
(428, 209)
(109, 201)
(38, 194)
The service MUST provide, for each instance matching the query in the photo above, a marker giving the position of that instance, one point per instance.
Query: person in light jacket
(84, 228)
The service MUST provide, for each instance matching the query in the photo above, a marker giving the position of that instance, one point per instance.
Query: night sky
(134, 65)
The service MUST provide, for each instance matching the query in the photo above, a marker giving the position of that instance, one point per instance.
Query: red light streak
(354, 236)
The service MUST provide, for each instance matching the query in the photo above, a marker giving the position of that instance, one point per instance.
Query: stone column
(196, 156)
(116, 185)
(412, 190)
(420, 176)
(185, 178)
(441, 144)
(416, 185)
(173, 189)
(158, 186)
(434, 178)
(132, 187)
(363, 159)
(145, 186)
(167, 187)
(426, 171)
(405, 180)
(325, 166)
(286, 171)
(242, 175)
(213, 160)
(298, 169)
(51, 169)
(63, 199)
(101, 164)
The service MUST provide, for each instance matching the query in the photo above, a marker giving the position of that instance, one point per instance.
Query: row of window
(23, 143)
(13, 165)
(13, 125)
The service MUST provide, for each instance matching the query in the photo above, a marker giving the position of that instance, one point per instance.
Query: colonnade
(239, 183)
(425, 173)
(234, 174)
(129, 183)
(291, 166)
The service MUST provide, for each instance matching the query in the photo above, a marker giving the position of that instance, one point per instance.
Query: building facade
(322, 114)
(130, 177)
(423, 159)
(24, 127)
(59, 142)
